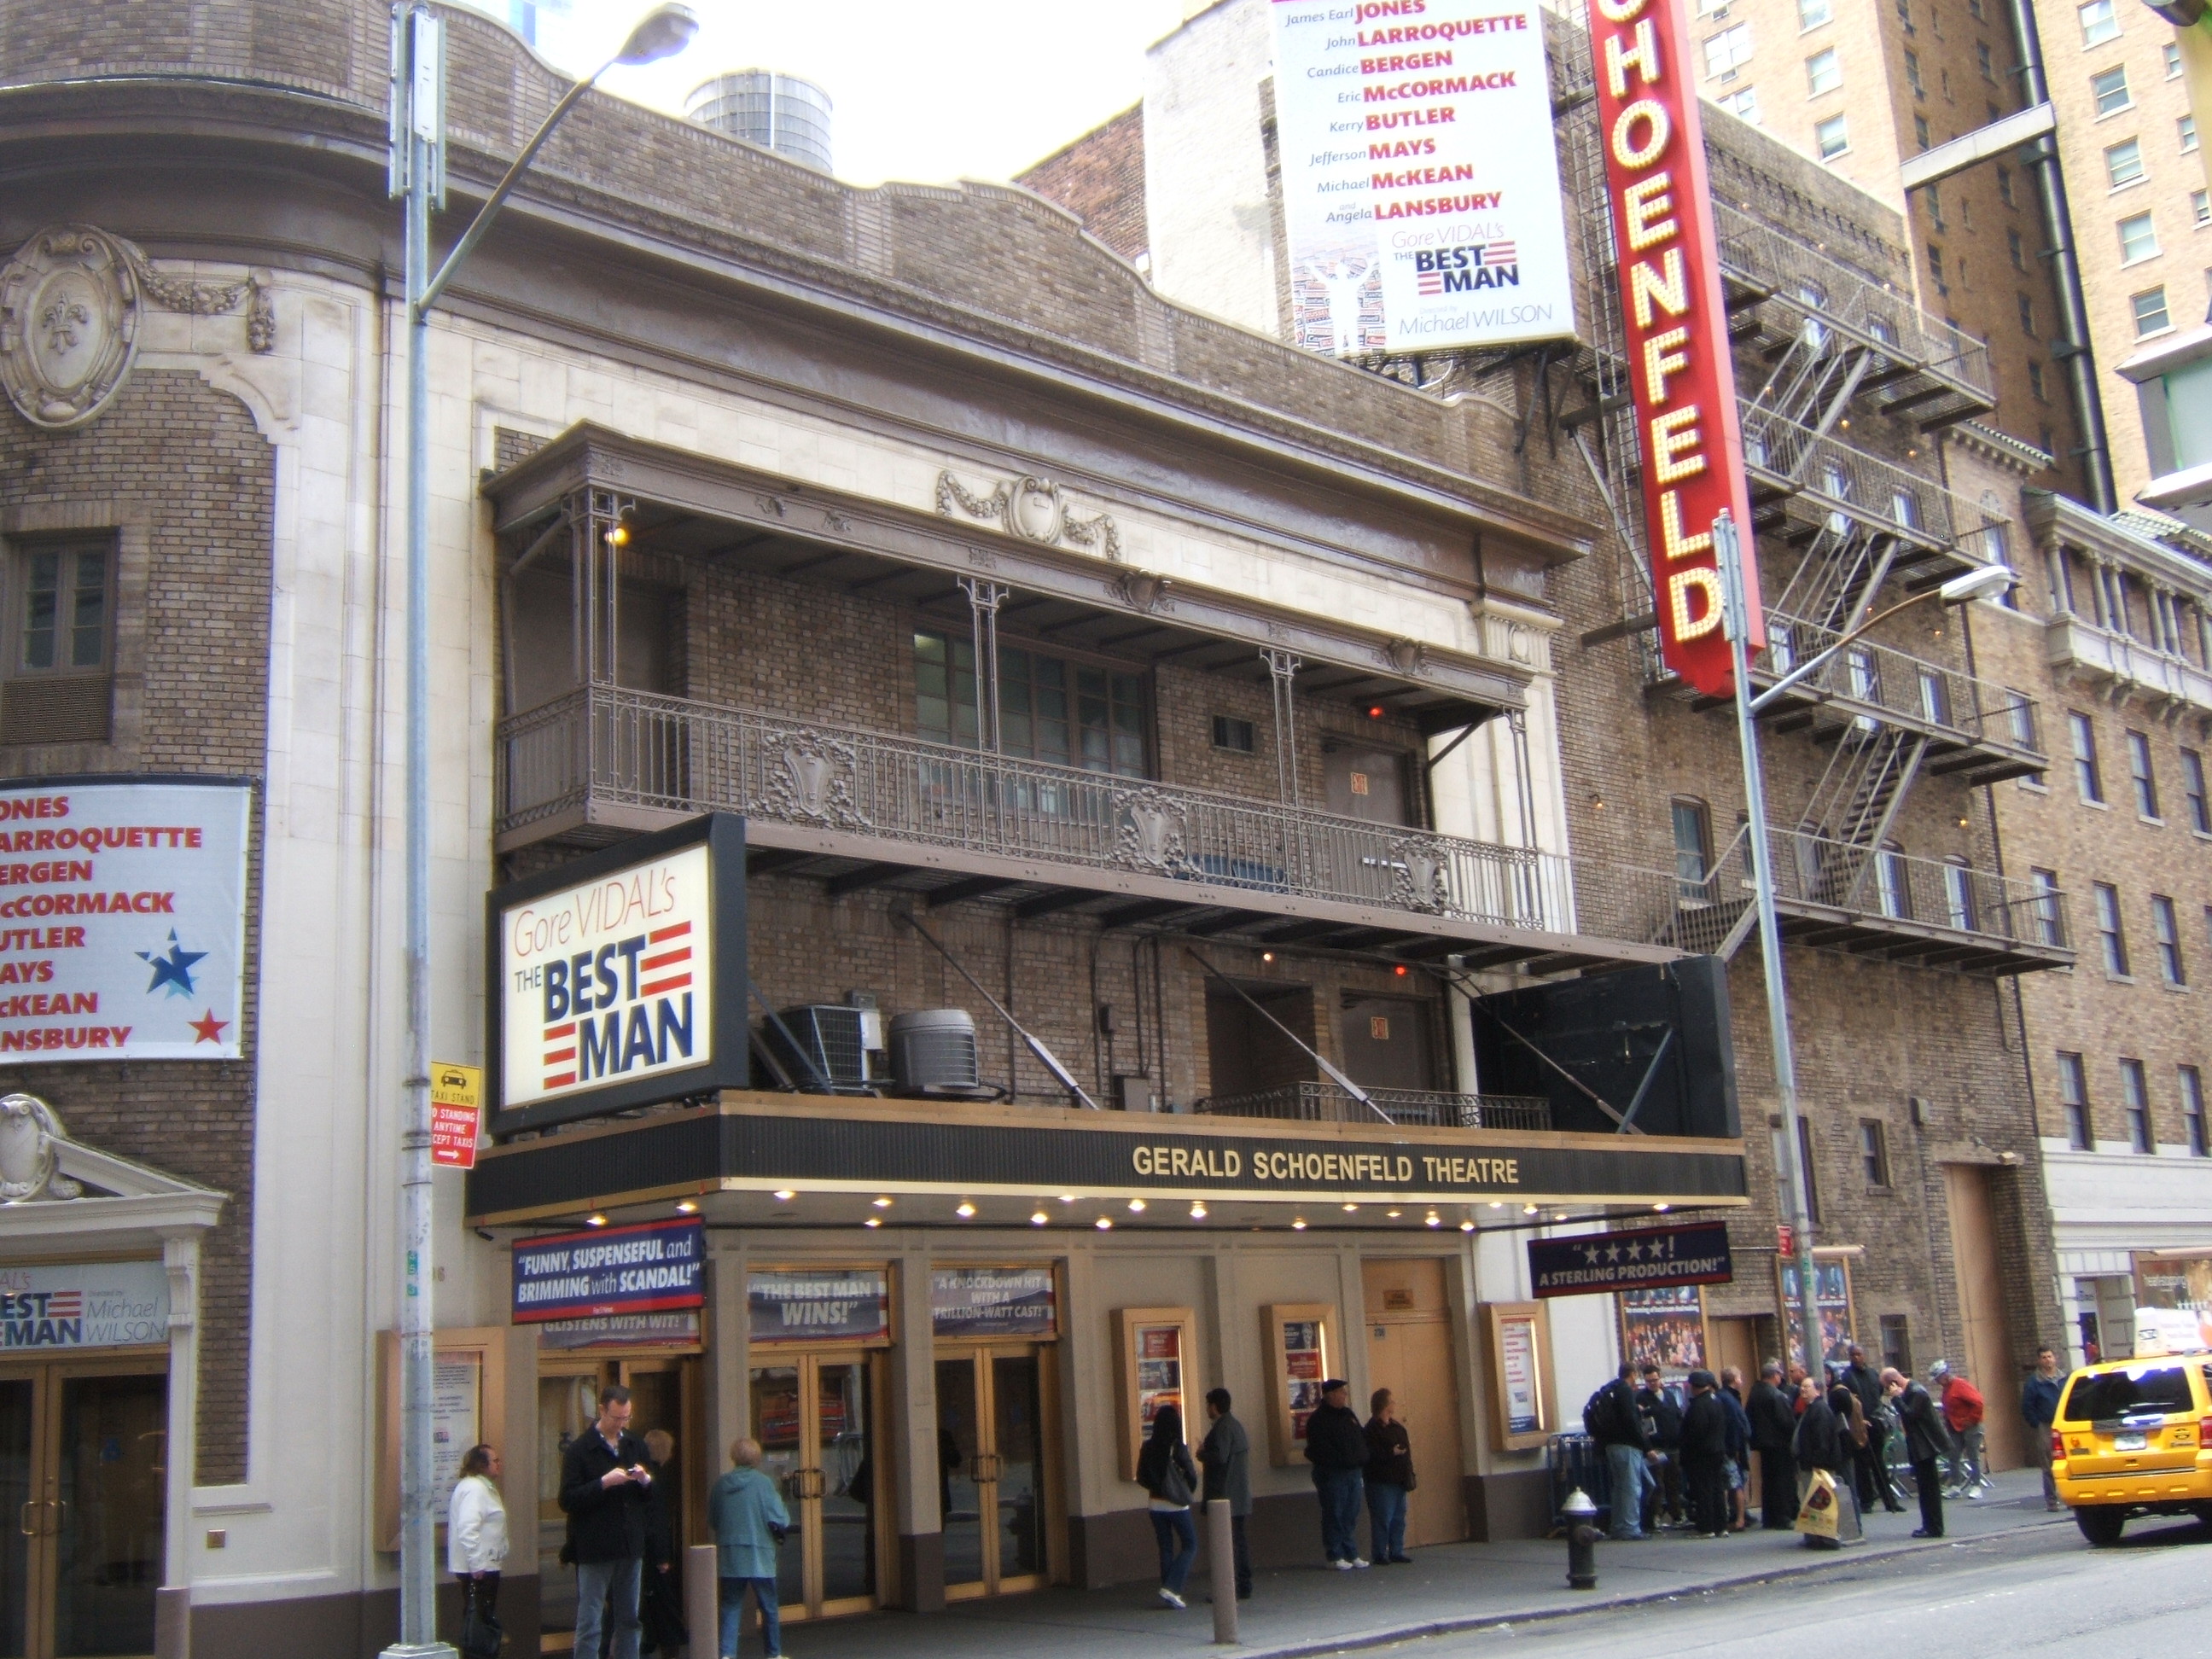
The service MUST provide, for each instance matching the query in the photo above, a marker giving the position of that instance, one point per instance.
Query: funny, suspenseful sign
(1681, 376)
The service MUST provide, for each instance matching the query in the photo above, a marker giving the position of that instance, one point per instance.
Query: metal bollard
(1221, 1567)
(703, 1609)
(172, 1622)
(1582, 1541)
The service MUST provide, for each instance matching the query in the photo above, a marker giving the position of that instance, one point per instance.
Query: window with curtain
(1060, 710)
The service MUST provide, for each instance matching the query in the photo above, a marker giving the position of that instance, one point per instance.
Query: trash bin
(1575, 1461)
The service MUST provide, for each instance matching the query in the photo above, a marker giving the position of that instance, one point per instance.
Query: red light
(2058, 1444)
(1374, 712)
(1401, 970)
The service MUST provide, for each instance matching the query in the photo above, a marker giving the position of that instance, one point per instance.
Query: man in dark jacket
(1704, 1451)
(604, 1489)
(2039, 1409)
(1336, 1446)
(1225, 1456)
(1870, 1463)
(1774, 1435)
(1927, 1440)
(1611, 1419)
(1658, 1405)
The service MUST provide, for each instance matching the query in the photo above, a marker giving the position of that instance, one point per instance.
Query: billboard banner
(123, 919)
(611, 1270)
(1681, 378)
(618, 980)
(1420, 182)
(1643, 1259)
(97, 1304)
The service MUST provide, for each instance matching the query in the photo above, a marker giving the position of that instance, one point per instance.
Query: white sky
(925, 90)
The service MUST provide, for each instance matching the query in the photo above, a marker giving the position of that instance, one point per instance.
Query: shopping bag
(1816, 1515)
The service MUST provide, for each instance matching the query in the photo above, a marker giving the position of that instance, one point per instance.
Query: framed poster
(1158, 1354)
(468, 1396)
(986, 1303)
(1832, 1275)
(1519, 1335)
(1303, 1346)
(818, 1304)
(1664, 1328)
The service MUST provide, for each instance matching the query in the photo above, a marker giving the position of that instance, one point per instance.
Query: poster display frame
(1286, 1447)
(888, 1337)
(1624, 1317)
(1129, 1325)
(1839, 1256)
(1500, 1319)
(969, 1339)
(487, 1346)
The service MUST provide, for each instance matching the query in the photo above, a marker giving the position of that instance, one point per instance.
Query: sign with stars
(122, 918)
(1641, 1259)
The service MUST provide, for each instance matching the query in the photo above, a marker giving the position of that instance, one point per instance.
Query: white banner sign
(1420, 181)
(97, 1305)
(609, 981)
(122, 920)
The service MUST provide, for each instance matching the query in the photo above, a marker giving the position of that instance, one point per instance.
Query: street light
(1985, 582)
(418, 175)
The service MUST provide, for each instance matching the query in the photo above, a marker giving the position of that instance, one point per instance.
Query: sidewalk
(1450, 1587)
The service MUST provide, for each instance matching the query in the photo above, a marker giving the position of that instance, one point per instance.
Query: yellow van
(2134, 1436)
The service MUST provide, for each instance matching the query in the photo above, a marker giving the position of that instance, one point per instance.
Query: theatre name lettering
(1384, 1172)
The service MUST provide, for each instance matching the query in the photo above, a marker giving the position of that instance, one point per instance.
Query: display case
(1157, 1348)
(1303, 1346)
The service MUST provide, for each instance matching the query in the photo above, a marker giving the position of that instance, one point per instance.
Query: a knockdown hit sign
(619, 980)
(1681, 378)
(611, 1270)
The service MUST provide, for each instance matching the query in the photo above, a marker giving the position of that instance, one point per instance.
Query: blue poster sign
(611, 1270)
(994, 1302)
(1640, 1259)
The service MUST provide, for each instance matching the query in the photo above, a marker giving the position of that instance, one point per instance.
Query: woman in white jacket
(476, 1530)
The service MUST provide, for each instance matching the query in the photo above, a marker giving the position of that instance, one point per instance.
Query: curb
(1361, 1640)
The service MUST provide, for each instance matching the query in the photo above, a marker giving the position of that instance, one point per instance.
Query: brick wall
(178, 471)
(1100, 178)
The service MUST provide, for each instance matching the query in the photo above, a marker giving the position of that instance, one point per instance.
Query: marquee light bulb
(1298, 1226)
(1198, 1213)
(785, 1196)
(881, 1203)
(1527, 1209)
(964, 1210)
(595, 1221)
(1350, 1208)
(1067, 1197)
(1037, 1220)
(1104, 1223)
(1393, 1214)
(1137, 1205)
(1467, 1226)
(873, 1221)
(687, 1208)
(1434, 1219)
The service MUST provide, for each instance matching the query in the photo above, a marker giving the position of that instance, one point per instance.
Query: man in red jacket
(1962, 1410)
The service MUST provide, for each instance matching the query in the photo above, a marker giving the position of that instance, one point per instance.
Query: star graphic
(1589, 1255)
(209, 1029)
(1635, 1253)
(174, 970)
(1612, 1252)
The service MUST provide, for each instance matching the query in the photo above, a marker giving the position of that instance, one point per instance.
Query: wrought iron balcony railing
(1917, 693)
(605, 746)
(1833, 482)
(1432, 1109)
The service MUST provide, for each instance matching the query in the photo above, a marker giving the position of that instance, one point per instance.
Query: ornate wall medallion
(1036, 510)
(30, 1134)
(69, 325)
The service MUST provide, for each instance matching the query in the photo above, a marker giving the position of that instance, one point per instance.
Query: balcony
(1804, 483)
(1840, 896)
(1426, 1109)
(864, 809)
(2126, 664)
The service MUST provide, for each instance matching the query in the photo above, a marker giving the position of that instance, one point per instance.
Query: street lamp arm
(490, 211)
(1813, 664)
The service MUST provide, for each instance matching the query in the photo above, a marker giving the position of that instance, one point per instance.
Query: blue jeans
(1386, 1521)
(1339, 1490)
(1630, 1475)
(1178, 1538)
(733, 1610)
(594, 1579)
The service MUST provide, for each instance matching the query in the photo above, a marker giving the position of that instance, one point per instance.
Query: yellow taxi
(2134, 1436)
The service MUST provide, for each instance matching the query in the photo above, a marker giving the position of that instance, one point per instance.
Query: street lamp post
(1727, 547)
(418, 176)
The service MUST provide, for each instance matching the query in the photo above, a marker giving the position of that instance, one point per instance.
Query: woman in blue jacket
(748, 1521)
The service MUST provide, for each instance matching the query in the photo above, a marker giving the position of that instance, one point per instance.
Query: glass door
(566, 1403)
(991, 1470)
(813, 1415)
(83, 1474)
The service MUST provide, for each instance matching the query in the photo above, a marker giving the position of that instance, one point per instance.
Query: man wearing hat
(1336, 1446)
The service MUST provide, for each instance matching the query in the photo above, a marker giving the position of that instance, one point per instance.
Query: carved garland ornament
(1034, 509)
(1152, 831)
(1424, 880)
(30, 1134)
(70, 301)
(807, 776)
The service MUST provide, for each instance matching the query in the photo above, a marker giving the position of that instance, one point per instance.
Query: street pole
(1736, 619)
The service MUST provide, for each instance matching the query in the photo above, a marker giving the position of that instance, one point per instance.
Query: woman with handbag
(1165, 1471)
(748, 1521)
(476, 1550)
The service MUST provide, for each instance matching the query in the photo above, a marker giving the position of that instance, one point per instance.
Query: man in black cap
(1336, 1446)
(1704, 1451)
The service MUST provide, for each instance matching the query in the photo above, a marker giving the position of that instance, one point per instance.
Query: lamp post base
(420, 1650)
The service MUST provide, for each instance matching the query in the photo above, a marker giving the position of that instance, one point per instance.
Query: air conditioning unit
(833, 1043)
(933, 1053)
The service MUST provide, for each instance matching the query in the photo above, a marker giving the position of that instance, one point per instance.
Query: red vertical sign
(1681, 377)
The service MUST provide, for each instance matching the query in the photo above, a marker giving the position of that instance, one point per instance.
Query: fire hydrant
(1581, 1515)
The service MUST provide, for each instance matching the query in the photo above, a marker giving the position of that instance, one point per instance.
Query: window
(2135, 1095)
(2186, 128)
(2088, 780)
(1932, 195)
(2026, 314)
(2044, 907)
(1744, 105)
(2015, 250)
(1935, 696)
(1693, 849)
(2190, 1083)
(2073, 1096)
(2150, 311)
(1728, 50)
(1822, 72)
(1811, 14)
(2035, 382)
(1832, 137)
(1874, 1152)
(1066, 712)
(2173, 60)
(1936, 267)
(1920, 132)
(2098, 24)
(1959, 896)
(64, 611)
(2004, 187)
(1904, 14)
(1912, 73)
(1896, 1338)
(1805, 1163)
(2138, 239)
(2192, 788)
(2111, 938)
(1893, 882)
(2111, 89)
(1235, 735)
(2123, 165)
(2200, 208)
(2167, 930)
(2140, 772)
(1982, 60)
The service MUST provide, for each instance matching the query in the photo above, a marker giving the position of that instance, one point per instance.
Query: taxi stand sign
(456, 1096)
(618, 980)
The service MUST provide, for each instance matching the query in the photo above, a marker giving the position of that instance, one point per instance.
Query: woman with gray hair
(748, 1521)
(476, 1548)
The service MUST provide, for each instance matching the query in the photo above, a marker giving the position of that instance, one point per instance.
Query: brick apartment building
(1210, 704)
(1907, 929)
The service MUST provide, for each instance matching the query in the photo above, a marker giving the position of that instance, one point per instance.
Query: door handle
(23, 1518)
(810, 1483)
(987, 1467)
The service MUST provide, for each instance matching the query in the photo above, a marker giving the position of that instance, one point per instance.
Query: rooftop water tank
(777, 111)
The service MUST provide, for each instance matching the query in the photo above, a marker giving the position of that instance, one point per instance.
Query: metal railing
(1875, 884)
(1832, 481)
(608, 745)
(1920, 692)
(1431, 1108)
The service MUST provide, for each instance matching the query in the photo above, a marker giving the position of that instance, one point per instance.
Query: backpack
(1601, 1415)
